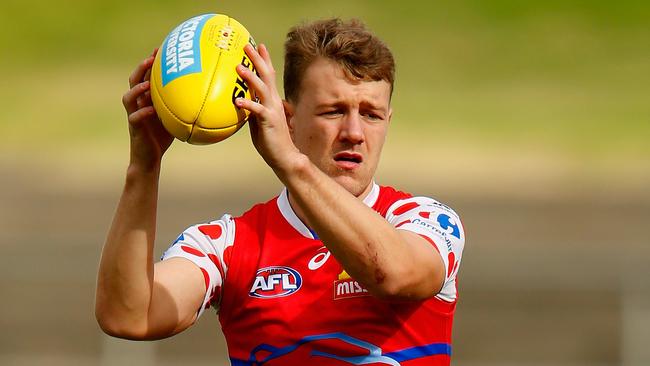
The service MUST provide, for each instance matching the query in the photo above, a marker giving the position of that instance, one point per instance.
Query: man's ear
(288, 114)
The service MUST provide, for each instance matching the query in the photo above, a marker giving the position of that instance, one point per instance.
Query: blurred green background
(567, 76)
(531, 118)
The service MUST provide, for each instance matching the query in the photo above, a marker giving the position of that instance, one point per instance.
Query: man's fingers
(249, 105)
(147, 75)
(144, 100)
(264, 52)
(266, 56)
(264, 69)
(138, 74)
(141, 115)
(130, 98)
(147, 98)
(256, 85)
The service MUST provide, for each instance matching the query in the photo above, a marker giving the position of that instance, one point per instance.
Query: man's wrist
(137, 171)
(294, 166)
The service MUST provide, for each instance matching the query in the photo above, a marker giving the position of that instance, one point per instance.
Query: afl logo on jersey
(275, 281)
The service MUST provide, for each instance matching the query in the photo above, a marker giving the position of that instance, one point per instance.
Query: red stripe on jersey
(192, 251)
(212, 231)
(227, 253)
(430, 241)
(452, 263)
(402, 223)
(405, 207)
(217, 263)
(209, 302)
(206, 277)
(387, 197)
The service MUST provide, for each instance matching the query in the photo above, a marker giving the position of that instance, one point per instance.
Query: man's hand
(268, 123)
(149, 139)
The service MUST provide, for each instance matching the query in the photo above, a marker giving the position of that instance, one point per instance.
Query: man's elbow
(407, 286)
(399, 293)
(116, 326)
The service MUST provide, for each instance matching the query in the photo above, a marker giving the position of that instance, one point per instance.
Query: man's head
(338, 85)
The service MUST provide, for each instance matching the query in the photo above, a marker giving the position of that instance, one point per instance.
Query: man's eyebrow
(364, 104)
(368, 104)
(333, 103)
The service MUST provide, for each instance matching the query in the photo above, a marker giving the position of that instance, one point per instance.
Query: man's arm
(390, 263)
(136, 299)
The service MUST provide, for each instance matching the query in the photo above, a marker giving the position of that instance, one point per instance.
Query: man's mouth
(348, 160)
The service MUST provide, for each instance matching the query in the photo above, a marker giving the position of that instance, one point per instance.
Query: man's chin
(354, 186)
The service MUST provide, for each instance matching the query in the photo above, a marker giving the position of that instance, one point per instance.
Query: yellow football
(193, 79)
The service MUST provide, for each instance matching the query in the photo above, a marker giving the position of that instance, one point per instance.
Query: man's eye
(372, 116)
(330, 113)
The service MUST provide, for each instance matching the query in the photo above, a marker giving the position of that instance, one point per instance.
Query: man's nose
(352, 129)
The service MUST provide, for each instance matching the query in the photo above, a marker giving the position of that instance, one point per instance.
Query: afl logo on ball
(275, 281)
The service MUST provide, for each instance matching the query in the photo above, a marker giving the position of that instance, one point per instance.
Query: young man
(336, 270)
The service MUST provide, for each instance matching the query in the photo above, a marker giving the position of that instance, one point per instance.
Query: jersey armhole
(233, 267)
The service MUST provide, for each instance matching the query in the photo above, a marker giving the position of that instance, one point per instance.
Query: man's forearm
(367, 246)
(124, 282)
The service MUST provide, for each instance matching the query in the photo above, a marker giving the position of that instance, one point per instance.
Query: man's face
(341, 124)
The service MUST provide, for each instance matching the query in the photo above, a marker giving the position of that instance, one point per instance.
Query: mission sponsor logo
(275, 281)
(346, 287)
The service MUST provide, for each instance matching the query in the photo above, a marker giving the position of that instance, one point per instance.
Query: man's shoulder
(394, 200)
(392, 192)
(387, 197)
(258, 218)
(258, 209)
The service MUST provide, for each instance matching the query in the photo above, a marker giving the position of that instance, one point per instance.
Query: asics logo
(319, 259)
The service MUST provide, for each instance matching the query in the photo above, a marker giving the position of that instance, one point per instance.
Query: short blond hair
(361, 54)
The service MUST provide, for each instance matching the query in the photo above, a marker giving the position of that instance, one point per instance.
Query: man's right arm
(136, 298)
